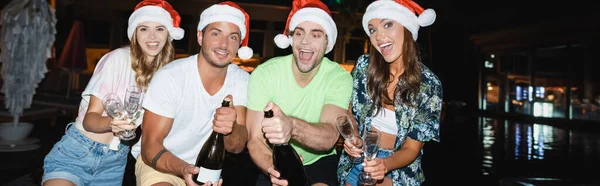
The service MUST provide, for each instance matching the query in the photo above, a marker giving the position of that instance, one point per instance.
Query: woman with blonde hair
(90, 153)
(395, 94)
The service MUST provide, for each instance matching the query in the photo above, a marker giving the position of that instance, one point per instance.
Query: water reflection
(488, 139)
(536, 150)
(541, 135)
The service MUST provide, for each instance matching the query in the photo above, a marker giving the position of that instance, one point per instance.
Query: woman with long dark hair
(395, 94)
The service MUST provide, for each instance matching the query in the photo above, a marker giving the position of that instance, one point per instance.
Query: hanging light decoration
(26, 39)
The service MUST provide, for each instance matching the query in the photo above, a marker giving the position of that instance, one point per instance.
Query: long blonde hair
(143, 69)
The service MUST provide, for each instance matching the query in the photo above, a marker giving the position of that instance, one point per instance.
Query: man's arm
(318, 136)
(260, 152)
(155, 128)
(323, 135)
(235, 142)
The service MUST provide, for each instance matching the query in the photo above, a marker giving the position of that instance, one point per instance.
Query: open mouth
(152, 45)
(386, 48)
(306, 54)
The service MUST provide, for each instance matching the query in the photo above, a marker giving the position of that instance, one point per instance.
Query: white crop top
(385, 122)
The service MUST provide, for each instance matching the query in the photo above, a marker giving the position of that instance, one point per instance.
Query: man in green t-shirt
(305, 91)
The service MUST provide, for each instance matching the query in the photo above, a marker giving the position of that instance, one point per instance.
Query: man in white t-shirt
(183, 101)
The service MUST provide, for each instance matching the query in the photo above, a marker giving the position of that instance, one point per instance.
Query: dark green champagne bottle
(211, 157)
(287, 162)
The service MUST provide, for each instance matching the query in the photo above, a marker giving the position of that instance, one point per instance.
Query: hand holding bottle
(225, 117)
(187, 173)
(210, 159)
(278, 129)
(287, 163)
(191, 169)
(275, 177)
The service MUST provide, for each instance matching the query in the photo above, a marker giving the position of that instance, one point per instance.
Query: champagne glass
(133, 97)
(346, 129)
(371, 140)
(113, 106)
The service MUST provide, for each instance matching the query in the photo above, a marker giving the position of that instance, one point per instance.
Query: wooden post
(268, 47)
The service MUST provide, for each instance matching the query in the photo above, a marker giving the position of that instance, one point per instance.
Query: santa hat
(158, 11)
(401, 11)
(228, 11)
(308, 10)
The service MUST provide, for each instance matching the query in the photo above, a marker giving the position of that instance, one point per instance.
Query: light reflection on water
(488, 139)
(535, 148)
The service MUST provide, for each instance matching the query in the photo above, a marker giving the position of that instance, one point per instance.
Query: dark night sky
(457, 19)
(485, 15)
(477, 15)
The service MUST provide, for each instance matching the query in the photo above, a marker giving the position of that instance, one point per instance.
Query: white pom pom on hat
(245, 52)
(308, 10)
(401, 11)
(158, 11)
(176, 33)
(427, 17)
(282, 41)
(231, 12)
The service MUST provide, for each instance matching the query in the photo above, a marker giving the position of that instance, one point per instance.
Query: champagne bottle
(287, 162)
(211, 157)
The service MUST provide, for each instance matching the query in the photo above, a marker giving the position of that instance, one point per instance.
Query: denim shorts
(352, 178)
(84, 161)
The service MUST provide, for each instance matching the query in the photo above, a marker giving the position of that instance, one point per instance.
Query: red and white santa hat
(158, 11)
(402, 11)
(228, 11)
(308, 10)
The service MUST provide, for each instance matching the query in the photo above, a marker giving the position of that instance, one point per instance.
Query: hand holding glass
(371, 140)
(346, 129)
(130, 111)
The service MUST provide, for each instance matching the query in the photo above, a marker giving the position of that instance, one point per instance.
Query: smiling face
(151, 37)
(220, 42)
(387, 36)
(309, 44)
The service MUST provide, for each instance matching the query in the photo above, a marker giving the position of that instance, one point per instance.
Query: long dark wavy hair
(379, 76)
(143, 69)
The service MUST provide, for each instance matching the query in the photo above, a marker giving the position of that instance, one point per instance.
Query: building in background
(544, 70)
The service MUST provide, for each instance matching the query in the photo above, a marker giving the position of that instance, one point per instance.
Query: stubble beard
(315, 64)
(211, 62)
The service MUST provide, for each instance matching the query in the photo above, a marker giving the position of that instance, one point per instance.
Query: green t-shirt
(274, 81)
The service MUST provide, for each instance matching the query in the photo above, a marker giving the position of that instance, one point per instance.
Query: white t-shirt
(176, 91)
(113, 74)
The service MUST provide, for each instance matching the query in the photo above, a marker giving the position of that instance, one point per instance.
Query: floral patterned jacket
(420, 122)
